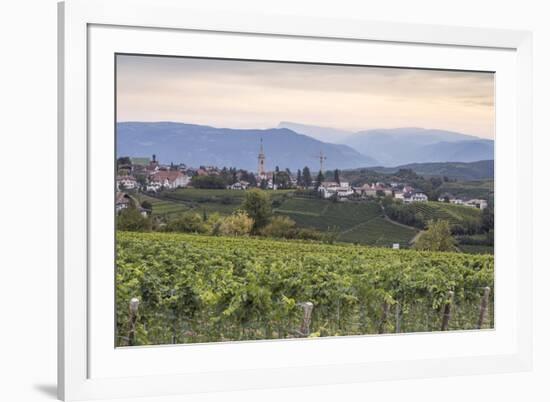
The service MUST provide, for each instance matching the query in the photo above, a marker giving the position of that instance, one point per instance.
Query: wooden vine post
(483, 306)
(306, 320)
(385, 311)
(447, 311)
(134, 305)
(397, 318)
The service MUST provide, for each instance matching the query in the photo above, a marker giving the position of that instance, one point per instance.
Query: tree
(299, 178)
(279, 226)
(437, 237)
(257, 206)
(337, 176)
(147, 206)
(282, 179)
(251, 179)
(320, 178)
(190, 222)
(130, 219)
(488, 219)
(123, 162)
(307, 180)
(210, 182)
(237, 224)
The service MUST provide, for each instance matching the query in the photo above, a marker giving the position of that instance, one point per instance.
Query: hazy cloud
(244, 94)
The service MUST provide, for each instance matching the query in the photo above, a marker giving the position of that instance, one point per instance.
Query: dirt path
(416, 236)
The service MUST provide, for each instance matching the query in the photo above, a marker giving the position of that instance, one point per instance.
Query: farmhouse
(168, 179)
(123, 201)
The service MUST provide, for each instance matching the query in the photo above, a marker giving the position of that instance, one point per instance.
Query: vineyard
(455, 214)
(355, 222)
(195, 288)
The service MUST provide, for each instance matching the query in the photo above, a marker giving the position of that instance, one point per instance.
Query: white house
(339, 191)
(126, 183)
(240, 185)
(415, 197)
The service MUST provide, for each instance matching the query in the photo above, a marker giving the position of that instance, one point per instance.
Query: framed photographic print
(261, 201)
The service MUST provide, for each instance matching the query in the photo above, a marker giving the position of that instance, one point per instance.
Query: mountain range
(400, 146)
(479, 170)
(197, 145)
(294, 145)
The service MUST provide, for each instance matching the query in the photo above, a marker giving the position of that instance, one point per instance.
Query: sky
(255, 94)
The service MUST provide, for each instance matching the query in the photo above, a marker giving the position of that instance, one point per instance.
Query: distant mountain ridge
(399, 146)
(394, 147)
(479, 170)
(197, 145)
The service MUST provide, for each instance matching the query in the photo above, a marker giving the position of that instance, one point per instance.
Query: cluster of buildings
(343, 190)
(474, 202)
(154, 175)
(405, 193)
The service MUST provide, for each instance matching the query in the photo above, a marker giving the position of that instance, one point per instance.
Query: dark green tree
(147, 206)
(123, 162)
(211, 182)
(320, 178)
(488, 219)
(257, 206)
(283, 180)
(130, 219)
(306, 177)
(337, 176)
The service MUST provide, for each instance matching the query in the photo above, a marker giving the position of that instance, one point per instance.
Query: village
(148, 175)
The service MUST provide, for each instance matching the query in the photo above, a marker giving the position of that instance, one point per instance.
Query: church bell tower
(261, 160)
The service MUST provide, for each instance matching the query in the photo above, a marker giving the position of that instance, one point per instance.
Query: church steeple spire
(261, 160)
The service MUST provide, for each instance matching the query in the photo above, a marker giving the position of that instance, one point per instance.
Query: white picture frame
(90, 32)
